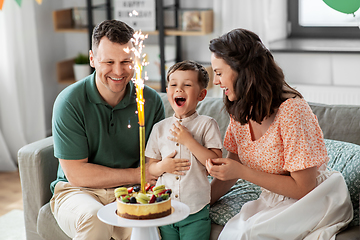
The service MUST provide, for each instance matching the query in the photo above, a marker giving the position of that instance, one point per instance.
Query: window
(314, 19)
(315, 13)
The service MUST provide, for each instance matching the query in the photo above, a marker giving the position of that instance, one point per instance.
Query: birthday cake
(133, 204)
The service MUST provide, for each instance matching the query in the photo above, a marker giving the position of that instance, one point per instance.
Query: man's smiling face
(114, 68)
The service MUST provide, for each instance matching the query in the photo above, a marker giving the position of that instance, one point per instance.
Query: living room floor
(10, 192)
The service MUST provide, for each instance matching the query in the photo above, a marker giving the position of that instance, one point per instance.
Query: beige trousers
(75, 209)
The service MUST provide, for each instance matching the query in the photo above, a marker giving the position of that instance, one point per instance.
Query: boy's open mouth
(180, 101)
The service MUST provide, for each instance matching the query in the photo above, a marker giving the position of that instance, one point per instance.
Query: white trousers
(75, 209)
(318, 215)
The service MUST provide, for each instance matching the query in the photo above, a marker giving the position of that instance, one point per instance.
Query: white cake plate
(143, 229)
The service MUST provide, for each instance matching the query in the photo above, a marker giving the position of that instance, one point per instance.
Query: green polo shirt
(85, 126)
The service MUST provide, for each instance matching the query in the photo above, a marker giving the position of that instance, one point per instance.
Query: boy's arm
(168, 165)
(202, 153)
(154, 168)
(183, 136)
(211, 153)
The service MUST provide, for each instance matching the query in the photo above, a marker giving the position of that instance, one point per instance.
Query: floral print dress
(294, 141)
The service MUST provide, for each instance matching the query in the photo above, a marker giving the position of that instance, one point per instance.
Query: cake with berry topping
(133, 204)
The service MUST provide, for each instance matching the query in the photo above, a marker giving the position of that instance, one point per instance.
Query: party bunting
(18, 2)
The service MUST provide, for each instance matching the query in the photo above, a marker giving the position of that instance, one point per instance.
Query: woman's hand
(224, 168)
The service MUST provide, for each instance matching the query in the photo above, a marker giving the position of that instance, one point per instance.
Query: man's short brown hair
(116, 31)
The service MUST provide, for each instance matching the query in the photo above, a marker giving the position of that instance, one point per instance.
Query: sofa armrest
(37, 168)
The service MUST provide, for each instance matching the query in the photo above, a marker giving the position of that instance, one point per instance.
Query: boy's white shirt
(193, 188)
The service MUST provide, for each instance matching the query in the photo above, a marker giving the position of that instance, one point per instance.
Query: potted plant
(81, 66)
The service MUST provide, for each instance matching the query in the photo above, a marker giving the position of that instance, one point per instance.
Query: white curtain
(22, 117)
(267, 18)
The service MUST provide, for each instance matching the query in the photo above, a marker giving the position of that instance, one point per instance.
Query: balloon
(344, 6)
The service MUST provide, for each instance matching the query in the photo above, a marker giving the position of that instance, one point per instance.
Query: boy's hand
(180, 134)
(175, 165)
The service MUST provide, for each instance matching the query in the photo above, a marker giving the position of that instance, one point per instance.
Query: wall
(51, 47)
(56, 46)
(329, 78)
(315, 70)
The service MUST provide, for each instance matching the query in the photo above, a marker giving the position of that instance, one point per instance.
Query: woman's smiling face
(224, 76)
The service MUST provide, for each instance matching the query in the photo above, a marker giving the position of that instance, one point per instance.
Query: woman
(274, 141)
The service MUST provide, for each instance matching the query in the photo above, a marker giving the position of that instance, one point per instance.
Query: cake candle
(141, 117)
(139, 82)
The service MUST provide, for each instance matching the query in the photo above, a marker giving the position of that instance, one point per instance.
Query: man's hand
(180, 134)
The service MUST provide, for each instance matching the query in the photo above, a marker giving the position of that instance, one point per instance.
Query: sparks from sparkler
(140, 61)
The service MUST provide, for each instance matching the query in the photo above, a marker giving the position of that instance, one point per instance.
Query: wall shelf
(206, 27)
(65, 71)
(63, 22)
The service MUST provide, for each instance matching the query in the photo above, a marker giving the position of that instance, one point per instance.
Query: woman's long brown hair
(260, 86)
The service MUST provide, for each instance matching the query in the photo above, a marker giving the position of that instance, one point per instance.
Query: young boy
(179, 146)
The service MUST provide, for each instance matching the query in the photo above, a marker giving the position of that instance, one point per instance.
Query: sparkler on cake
(148, 202)
(139, 63)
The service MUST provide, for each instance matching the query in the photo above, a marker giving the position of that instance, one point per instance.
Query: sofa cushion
(338, 122)
(230, 204)
(47, 227)
(344, 157)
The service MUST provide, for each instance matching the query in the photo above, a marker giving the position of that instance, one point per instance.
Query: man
(96, 136)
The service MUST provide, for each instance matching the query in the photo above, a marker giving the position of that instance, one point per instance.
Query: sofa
(340, 125)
